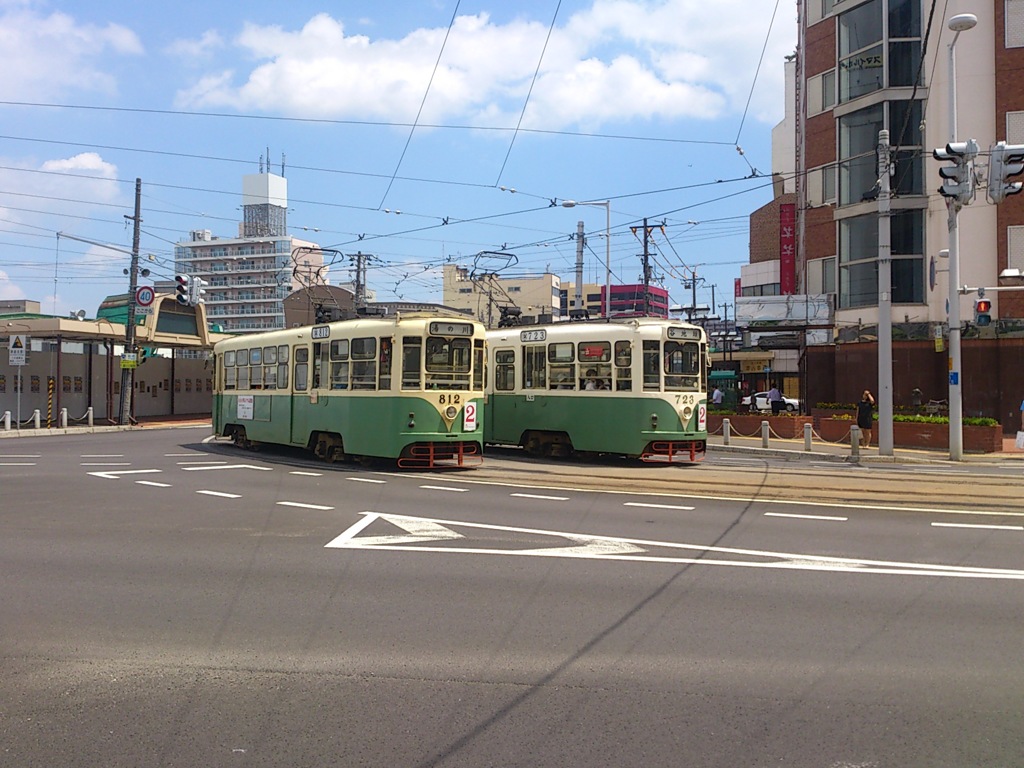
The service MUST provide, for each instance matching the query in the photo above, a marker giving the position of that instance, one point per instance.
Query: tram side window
(479, 365)
(364, 363)
(339, 364)
(270, 367)
(623, 366)
(243, 377)
(412, 354)
(301, 368)
(384, 383)
(505, 370)
(534, 371)
(595, 364)
(242, 356)
(256, 377)
(652, 365)
(682, 366)
(230, 372)
(562, 371)
(270, 355)
(282, 366)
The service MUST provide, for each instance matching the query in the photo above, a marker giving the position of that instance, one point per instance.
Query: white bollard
(807, 437)
(726, 431)
(88, 415)
(855, 441)
(764, 434)
(7, 421)
(63, 418)
(35, 419)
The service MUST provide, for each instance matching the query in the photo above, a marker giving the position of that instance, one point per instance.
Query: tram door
(300, 394)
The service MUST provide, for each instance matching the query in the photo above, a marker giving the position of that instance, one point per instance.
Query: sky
(418, 132)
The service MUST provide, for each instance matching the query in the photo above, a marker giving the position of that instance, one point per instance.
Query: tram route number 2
(469, 417)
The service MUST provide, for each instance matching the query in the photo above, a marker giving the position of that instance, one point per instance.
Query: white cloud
(618, 60)
(9, 291)
(203, 47)
(53, 55)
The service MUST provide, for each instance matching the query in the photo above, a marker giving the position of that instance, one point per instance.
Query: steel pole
(956, 433)
(885, 397)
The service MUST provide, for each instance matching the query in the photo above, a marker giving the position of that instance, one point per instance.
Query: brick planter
(910, 434)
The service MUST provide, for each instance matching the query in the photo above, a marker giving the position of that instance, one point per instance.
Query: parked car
(758, 402)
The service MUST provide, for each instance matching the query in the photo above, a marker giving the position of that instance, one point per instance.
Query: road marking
(102, 455)
(537, 496)
(365, 480)
(185, 455)
(307, 474)
(153, 483)
(985, 527)
(21, 456)
(612, 548)
(807, 517)
(105, 464)
(443, 488)
(657, 506)
(200, 461)
(228, 466)
(115, 475)
(302, 506)
(221, 494)
(17, 463)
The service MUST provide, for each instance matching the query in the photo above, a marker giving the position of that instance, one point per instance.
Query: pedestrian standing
(716, 398)
(775, 400)
(865, 416)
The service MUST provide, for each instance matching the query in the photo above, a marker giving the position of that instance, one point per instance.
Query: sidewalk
(152, 422)
(822, 451)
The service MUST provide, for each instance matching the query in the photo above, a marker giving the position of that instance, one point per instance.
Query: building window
(1014, 23)
(858, 259)
(858, 140)
(1015, 127)
(1015, 248)
(821, 92)
(860, 51)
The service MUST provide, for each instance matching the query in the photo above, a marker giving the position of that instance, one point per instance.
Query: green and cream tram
(407, 387)
(635, 387)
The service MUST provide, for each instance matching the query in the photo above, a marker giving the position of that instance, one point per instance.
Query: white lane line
(978, 525)
(17, 463)
(185, 455)
(657, 506)
(153, 483)
(21, 456)
(443, 488)
(105, 464)
(226, 466)
(537, 496)
(219, 493)
(807, 517)
(182, 463)
(364, 480)
(307, 474)
(116, 474)
(102, 455)
(302, 506)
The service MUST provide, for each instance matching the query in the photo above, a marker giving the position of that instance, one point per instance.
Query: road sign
(144, 297)
(129, 360)
(16, 349)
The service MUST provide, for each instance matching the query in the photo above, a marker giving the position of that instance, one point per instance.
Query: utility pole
(885, 394)
(647, 273)
(727, 337)
(128, 374)
(578, 300)
(360, 286)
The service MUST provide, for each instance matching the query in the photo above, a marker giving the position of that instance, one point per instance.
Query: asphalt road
(167, 602)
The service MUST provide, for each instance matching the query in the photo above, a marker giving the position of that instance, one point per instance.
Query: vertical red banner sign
(737, 287)
(787, 249)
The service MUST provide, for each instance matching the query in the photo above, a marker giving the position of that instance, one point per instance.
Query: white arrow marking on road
(228, 466)
(621, 549)
(152, 483)
(114, 475)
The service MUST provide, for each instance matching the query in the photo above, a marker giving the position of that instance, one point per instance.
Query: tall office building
(867, 65)
(249, 276)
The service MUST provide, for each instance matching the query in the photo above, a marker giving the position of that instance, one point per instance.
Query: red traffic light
(983, 305)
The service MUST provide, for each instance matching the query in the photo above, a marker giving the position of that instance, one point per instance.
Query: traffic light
(1006, 161)
(183, 290)
(982, 311)
(957, 179)
(196, 290)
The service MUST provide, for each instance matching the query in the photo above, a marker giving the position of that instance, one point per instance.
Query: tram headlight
(451, 412)
(687, 413)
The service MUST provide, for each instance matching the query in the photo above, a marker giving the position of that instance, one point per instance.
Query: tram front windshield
(682, 366)
(448, 362)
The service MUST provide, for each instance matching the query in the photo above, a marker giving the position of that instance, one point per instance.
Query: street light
(607, 249)
(959, 23)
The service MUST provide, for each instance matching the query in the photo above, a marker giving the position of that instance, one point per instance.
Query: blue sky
(379, 107)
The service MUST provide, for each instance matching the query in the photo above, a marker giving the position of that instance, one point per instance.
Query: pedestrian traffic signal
(1005, 162)
(958, 178)
(982, 312)
(183, 290)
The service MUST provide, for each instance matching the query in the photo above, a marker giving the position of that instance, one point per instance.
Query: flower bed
(912, 434)
(749, 424)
